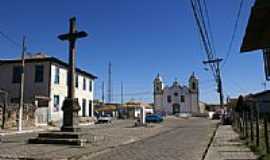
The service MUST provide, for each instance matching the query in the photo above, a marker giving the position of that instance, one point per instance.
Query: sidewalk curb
(210, 142)
(25, 131)
(37, 130)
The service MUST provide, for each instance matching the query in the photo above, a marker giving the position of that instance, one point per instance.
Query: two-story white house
(46, 86)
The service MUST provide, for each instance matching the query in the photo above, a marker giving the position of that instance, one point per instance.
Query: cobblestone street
(173, 139)
(183, 142)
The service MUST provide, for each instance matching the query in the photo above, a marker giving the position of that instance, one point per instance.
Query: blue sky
(140, 38)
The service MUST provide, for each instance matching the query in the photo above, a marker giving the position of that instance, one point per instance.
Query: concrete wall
(158, 102)
(202, 107)
(61, 90)
(31, 87)
(195, 103)
(184, 106)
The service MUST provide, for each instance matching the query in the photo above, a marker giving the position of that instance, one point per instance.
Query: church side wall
(158, 103)
(185, 107)
(195, 103)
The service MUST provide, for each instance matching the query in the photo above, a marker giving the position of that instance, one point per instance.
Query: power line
(134, 94)
(200, 21)
(6, 37)
(234, 33)
(212, 61)
(209, 25)
(207, 32)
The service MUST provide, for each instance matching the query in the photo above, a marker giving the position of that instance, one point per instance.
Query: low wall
(11, 115)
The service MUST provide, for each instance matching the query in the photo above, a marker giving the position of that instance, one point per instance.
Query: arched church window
(193, 85)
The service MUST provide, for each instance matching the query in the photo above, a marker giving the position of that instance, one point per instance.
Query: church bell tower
(194, 91)
(193, 83)
(158, 91)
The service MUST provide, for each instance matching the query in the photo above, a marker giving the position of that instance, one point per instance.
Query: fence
(252, 124)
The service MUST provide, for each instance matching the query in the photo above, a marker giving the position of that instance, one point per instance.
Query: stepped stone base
(57, 137)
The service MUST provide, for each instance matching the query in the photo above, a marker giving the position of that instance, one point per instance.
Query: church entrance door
(176, 108)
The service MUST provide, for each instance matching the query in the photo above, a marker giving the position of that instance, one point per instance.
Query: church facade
(176, 99)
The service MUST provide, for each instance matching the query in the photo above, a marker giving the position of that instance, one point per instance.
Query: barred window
(17, 73)
(90, 85)
(39, 71)
(56, 103)
(57, 75)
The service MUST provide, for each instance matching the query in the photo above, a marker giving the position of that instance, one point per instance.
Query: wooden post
(257, 125)
(246, 124)
(239, 122)
(251, 114)
(266, 133)
(243, 124)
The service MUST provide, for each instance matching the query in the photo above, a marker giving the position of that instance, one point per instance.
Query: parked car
(104, 119)
(216, 116)
(153, 118)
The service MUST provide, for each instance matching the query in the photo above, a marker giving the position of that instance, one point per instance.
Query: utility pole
(20, 115)
(110, 83)
(218, 78)
(102, 91)
(122, 94)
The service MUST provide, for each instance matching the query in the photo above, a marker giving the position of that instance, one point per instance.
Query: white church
(176, 99)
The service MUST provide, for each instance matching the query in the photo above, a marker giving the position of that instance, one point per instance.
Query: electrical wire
(204, 34)
(234, 33)
(6, 37)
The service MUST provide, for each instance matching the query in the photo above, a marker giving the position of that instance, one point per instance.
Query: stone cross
(72, 36)
(71, 105)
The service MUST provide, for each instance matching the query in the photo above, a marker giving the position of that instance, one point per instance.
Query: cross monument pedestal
(70, 109)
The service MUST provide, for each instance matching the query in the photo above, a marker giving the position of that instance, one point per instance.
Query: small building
(46, 85)
(261, 99)
(176, 99)
(202, 107)
(133, 109)
(106, 108)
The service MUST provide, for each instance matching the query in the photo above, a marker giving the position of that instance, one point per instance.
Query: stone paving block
(227, 145)
(172, 139)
